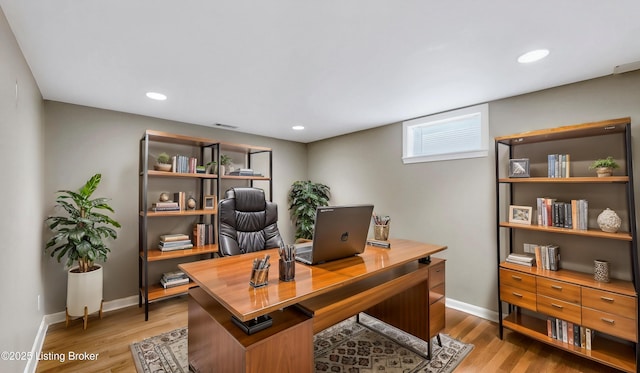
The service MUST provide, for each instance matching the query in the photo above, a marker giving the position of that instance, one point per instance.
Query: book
(172, 248)
(378, 243)
(171, 283)
(174, 243)
(174, 275)
(173, 237)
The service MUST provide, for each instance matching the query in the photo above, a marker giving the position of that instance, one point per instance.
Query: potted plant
(79, 237)
(225, 161)
(163, 162)
(604, 166)
(304, 198)
(212, 167)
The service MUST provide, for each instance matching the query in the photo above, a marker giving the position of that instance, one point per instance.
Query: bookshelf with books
(542, 293)
(177, 208)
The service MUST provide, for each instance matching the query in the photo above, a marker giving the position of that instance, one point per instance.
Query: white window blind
(456, 134)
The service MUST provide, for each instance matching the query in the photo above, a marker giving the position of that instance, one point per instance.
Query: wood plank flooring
(110, 339)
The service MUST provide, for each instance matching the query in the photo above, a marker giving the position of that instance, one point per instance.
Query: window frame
(482, 151)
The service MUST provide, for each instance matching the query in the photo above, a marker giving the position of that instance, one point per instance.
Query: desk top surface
(227, 279)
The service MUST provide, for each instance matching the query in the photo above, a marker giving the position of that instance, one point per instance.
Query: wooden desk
(387, 283)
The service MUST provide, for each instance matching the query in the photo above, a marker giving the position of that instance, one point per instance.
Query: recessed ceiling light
(533, 56)
(298, 128)
(156, 96)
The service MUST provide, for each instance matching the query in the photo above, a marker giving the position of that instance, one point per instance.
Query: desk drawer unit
(437, 307)
(518, 280)
(610, 313)
(559, 308)
(559, 290)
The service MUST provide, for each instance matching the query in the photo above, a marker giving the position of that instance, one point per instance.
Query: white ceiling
(333, 66)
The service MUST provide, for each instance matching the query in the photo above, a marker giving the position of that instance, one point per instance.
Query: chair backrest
(247, 222)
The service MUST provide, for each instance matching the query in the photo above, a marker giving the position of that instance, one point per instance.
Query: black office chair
(247, 222)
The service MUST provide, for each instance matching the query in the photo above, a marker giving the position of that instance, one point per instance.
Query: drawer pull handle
(556, 306)
(517, 278)
(556, 287)
(607, 299)
(517, 294)
(608, 321)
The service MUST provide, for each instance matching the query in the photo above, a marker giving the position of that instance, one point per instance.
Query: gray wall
(81, 141)
(453, 202)
(21, 125)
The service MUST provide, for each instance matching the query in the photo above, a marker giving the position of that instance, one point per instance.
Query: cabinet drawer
(559, 290)
(436, 293)
(436, 275)
(609, 323)
(616, 304)
(560, 309)
(437, 318)
(518, 297)
(518, 280)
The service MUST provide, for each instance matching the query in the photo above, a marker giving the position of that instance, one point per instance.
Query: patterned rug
(346, 347)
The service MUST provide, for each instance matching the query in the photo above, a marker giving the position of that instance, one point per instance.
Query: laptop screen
(339, 232)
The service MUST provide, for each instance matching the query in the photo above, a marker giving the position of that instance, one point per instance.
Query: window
(457, 134)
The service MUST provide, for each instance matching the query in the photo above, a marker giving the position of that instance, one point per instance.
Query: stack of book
(558, 165)
(203, 234)
(547, 256)
(184, 164)
(573, 215)
(175, 278)
(244, 172)
(521, 259)
(570, 333)
(170, 242)
(165, 206)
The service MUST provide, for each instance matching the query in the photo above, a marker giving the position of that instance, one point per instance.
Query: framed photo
(519, 167)
(209, 202)
(520, 214)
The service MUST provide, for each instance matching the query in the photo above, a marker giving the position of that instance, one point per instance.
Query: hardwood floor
(110, 339)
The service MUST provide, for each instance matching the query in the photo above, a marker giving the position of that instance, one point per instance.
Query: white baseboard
(55, 318)
(473, 310)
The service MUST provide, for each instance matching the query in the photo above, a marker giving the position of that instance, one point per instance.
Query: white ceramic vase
(609, 221)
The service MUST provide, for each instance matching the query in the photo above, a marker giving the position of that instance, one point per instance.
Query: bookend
(255, 325)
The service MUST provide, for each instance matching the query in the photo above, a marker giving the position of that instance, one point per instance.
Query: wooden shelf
(567, 132)
(578, 278)
(180, 174)
(157, 292)
(566, 180)
(245, 177)
(172, 138)
(622, 236)
(180, 213)
(156, 255)
(605, 351)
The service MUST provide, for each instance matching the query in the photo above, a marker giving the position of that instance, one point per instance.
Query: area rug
(348, 347)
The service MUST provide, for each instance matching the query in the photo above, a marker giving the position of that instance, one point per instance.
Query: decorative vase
(601, 270)
(84, 293)
(609, 221)
(604, 171)
(162, 167)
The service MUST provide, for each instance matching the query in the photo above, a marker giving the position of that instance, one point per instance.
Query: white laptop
(339, 232)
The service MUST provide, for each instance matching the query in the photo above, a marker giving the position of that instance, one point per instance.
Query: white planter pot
(84, 290)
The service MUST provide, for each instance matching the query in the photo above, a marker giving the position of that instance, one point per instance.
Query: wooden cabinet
(194, 183)
(530, 296)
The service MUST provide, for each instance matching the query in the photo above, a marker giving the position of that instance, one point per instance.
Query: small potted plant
(79, 236)
(604, 166)
(225, 161)
(211, 167)
(163, 162)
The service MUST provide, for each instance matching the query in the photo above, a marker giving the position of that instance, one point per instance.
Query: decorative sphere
(609, 221)
(164, 197)
(191, 203)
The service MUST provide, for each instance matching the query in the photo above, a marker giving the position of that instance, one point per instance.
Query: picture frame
(209, 202)
(519, 167)
(520, 214)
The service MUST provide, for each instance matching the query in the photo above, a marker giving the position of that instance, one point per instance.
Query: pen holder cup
(259, 277)
(287, 270)
(381, 232)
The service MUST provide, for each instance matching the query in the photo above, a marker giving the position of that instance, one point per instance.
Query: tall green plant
(304, 198)
(79, 235)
